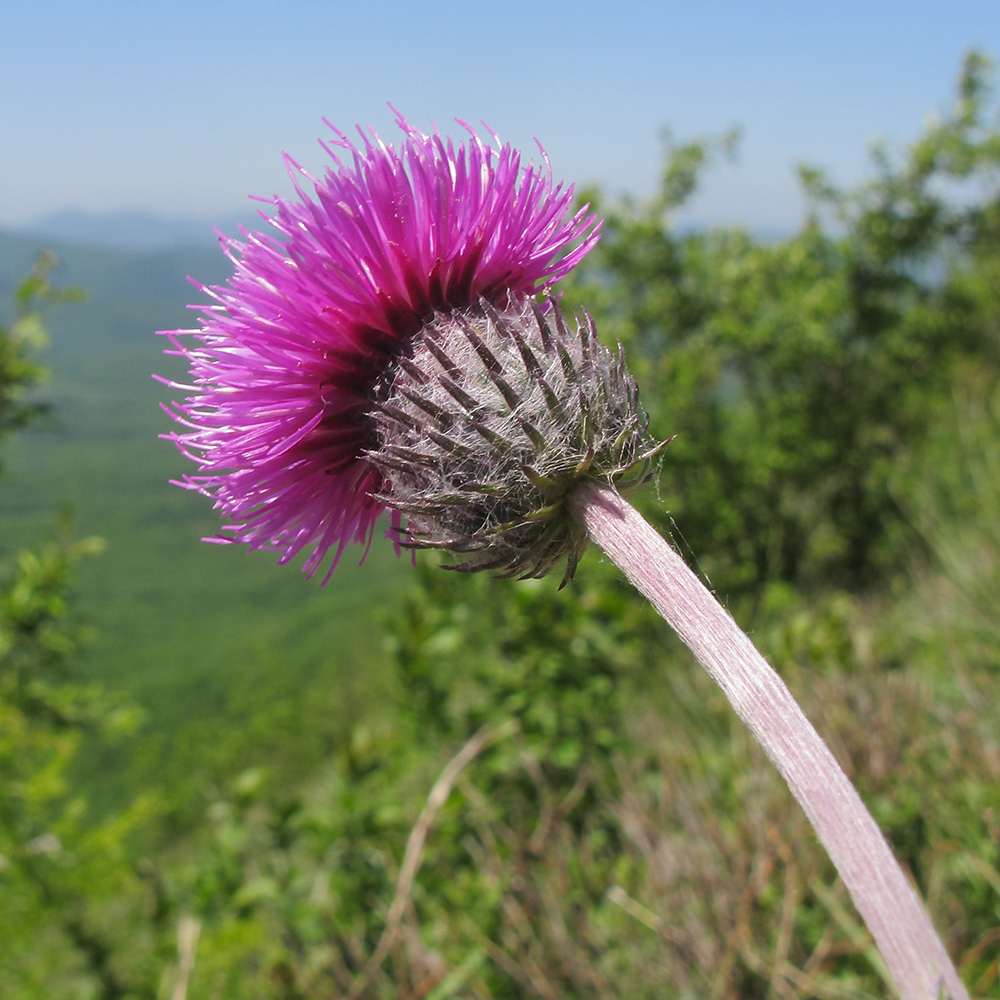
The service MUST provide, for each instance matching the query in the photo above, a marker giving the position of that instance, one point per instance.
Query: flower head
(490, 420)
(285, 364)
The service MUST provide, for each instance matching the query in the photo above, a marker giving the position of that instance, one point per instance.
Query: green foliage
(20, 371)
(37, 644)
(795, 373)
(660, 857)
(531, 645)
(54, 869)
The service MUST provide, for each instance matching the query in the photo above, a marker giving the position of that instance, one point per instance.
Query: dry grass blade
(413, 855)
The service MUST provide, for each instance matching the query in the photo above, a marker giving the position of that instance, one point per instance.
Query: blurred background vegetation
(219, 780)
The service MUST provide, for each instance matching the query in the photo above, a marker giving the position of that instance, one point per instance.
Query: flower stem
(913, 953)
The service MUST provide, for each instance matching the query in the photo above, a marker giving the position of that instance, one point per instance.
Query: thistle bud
(486, 421)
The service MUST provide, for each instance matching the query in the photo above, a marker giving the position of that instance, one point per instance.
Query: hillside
(198, 634)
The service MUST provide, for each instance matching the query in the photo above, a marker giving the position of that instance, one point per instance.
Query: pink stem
(913, 953)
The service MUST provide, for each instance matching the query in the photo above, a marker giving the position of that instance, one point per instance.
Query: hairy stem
(913, 952)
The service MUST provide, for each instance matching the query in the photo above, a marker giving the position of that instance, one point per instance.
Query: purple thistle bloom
(286, 359)
(381, 352)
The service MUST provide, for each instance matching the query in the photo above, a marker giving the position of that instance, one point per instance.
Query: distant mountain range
(132, 230)
(137, 230)
(153, 278)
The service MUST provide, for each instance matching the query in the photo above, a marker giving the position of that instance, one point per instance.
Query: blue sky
(184, 108)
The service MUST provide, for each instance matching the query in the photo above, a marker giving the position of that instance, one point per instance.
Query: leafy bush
(796, 372)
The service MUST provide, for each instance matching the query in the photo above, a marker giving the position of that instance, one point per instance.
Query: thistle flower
(384, 351)
(486, 423)
(284, 366)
